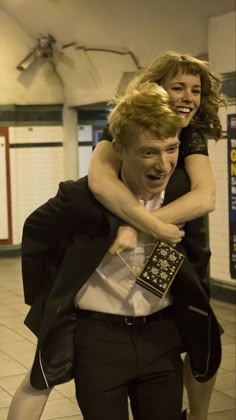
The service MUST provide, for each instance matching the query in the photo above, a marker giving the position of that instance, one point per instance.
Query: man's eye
(173, 149)
(148, 153)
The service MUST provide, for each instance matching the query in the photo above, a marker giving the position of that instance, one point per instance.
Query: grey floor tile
(229, 326)
(10, 383)
(9, 366)
(5, 399)
(231, 393)
(220, 402)
(225, 382)
(227, 339)
(224, 415)
(3, 413)
(59, 408)
(228, 363)
(67, 389)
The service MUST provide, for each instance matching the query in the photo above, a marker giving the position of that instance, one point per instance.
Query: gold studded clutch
(160, 269)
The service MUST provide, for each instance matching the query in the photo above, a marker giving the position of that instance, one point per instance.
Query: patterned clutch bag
(160, 269)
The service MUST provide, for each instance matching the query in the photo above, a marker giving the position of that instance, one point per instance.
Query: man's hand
(126, 239)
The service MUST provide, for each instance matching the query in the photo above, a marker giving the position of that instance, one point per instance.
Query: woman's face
(185, 92)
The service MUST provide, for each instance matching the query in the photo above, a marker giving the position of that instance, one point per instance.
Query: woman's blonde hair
(147, 107)
(167, 66)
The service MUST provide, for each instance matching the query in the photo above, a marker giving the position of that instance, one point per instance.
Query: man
(127, 343)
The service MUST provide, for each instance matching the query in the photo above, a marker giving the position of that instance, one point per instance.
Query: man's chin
(156, 189)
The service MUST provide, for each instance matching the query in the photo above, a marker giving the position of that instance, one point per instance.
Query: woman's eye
(177, 88)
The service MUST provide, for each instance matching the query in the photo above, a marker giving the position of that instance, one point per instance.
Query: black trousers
(114, 361)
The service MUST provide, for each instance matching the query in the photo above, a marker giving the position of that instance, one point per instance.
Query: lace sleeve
(193, 142)
(106, 135)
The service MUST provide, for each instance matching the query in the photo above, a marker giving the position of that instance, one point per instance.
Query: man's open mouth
(155, 177)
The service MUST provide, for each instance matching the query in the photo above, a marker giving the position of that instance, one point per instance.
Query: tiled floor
(17, 347)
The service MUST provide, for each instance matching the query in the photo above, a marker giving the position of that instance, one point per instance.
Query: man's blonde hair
(147, 107)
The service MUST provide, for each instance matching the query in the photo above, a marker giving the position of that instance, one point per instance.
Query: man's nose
(162, 164)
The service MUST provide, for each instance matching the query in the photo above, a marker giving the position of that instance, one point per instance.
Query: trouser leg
(104, 361)
(156, 394)
(159, 396)
(114, 361)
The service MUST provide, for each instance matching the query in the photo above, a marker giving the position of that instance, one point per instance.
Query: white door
(3, 191)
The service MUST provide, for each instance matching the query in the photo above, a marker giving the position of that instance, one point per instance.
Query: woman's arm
(113, 194)
(200, 200)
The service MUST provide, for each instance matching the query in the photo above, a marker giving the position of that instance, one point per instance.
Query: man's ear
(118, 148)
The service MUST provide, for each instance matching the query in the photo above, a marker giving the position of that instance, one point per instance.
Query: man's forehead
(149, 137)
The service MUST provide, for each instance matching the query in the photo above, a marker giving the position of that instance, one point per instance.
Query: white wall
(222, 42)
(35, 171)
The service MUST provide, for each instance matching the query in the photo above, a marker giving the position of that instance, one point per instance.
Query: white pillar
(70, 142)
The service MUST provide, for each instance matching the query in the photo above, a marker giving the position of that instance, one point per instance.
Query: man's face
(148, 163)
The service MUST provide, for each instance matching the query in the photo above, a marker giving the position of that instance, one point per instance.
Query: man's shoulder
(78, 194)
(70, 185)
(75, 190)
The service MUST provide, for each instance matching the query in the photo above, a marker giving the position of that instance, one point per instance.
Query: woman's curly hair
(167, 66)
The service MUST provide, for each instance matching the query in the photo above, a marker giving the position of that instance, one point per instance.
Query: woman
(195, 90)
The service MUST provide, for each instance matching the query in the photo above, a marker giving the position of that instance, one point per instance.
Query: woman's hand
(126, 238)
(172, 234)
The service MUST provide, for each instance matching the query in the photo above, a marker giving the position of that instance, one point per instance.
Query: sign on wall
(231, 130)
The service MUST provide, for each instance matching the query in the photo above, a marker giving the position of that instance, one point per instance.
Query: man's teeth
(184, 110)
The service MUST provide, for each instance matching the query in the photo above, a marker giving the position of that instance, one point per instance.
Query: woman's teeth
(184, 110)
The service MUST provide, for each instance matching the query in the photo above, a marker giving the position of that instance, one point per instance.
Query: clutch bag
(160, 269)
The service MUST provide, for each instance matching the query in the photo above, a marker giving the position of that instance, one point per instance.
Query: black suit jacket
(65, 240)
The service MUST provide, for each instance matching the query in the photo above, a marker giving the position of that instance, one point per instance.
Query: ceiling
(145, 28)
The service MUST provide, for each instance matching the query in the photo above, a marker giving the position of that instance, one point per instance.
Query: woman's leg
(28, 402)
(199, 393)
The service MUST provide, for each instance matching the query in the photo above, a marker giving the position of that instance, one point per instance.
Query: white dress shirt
(112, 287)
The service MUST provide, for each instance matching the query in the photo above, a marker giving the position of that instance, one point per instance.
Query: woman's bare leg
(28, 402)
(199, 393)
